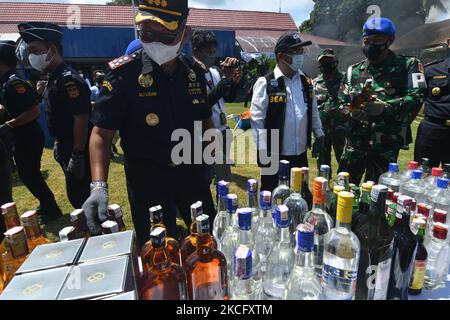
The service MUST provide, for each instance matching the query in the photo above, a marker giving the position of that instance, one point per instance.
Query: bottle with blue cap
(440, 198)
(296, 204)
(414, 188)
(252, 200)
(303, 284)
(391, 179)
(265, 233)
(245, 287)
(430, 182)
(282, 192)
(281, 258)
(230, 236)
(221, 220)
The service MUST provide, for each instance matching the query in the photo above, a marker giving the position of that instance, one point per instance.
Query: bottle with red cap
(414, 187)
(437, 216)
(405, 176)
(431, 181)
(438, 253)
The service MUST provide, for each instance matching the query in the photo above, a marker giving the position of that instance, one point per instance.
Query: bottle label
(418, 277)
(339, 279)
(378, 280)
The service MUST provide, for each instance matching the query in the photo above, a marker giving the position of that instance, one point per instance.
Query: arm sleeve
(316, 122)
(77, 96)
(22, 94)
(258, 111)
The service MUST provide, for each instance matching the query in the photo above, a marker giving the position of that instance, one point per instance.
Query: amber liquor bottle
(16, 252)
(30, 221)
(78, 221)
(189, 244)
(172, 245)
(164, 280)
(67, 234)
(206, 268)
(115, 213)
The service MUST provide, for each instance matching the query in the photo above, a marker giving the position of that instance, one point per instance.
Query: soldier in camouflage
(327, 86)
(380, 95)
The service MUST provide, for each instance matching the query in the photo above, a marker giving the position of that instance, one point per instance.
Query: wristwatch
(98, 185)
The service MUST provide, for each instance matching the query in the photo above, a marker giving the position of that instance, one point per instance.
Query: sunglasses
(151, 36)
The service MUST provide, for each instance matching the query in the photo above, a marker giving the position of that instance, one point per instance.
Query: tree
(121, 2)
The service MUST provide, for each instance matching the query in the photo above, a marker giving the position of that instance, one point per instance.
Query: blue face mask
(297, 61)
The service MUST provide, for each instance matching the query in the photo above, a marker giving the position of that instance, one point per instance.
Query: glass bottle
(414, 188)
(189, 244)
(164, 280)
(405, 247)
(438, 258)
(206, 268)
(325, 172)
(230, 235)
(11, 219)
(282, 192)
(221, 219)
(321, 221)
(425, 167)
(420, 263)
(16, 252)
(115, 213)
(296, 204)
(281, 259)
(109, 227)
(343, 180)
(30, 221)
(266, 233)
(302, 283)
(391, 179)
(357, 193)
(306, 192)
(364, 204)
(245, 286)
(172, 245)
(405, 176)
(78, 221)
(341, 254)
(333, 204)
(438, 216)
(375, 237)
(440, 198)
(252, 200)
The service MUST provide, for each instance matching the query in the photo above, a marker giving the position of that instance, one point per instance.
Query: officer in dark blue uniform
(147, 96)
(433, 135)
(22, 106)
(68, 106)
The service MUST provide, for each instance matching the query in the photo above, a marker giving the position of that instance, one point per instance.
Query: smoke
(437, 15)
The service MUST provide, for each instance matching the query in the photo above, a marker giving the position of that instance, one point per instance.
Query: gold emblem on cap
(192, 75)
(145, 80)
(152, 119)
(436, 91)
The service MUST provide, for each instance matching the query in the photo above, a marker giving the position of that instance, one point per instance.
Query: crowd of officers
(364, 114)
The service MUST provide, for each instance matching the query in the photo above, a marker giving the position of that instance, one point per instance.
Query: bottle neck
(305, 182)
(346, 225)
(233, 221)
(285, 235)
(378, 208)
(320, 206)
(245, 237)
(205, 240)
(305, 260)
(283, 181)
(222, 205)
(253, 200)
(266, 214)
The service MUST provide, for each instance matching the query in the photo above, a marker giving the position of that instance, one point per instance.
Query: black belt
(441, 122)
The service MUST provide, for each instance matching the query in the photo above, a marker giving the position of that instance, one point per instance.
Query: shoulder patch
(106, 84)
(20, 88)
(119, 62)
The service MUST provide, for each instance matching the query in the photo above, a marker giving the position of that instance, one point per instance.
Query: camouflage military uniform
(333, 120)
(371, 145)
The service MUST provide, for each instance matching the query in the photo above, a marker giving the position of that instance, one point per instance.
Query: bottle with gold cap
(333, 204)
(320, 219)
(363, 205)
(16, 253)
(341, 254)
(30, 221)
(296, 204)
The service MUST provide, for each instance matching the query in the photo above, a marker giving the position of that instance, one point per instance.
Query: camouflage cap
(326, 53)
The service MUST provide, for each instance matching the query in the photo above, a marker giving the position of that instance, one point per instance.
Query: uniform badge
(20, 89)
(192, 75)
(145, 80)
(107, 85)
(274, 83)
(73, 92)
(436, 91)
(152, 119)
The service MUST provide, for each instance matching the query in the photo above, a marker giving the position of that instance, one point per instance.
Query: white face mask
(297, 61)
(39, 61)
(161, 53)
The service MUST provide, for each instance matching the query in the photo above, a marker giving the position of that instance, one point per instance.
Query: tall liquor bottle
(16, 253)
(282, 192)
(405, 247)
(420, 263)
(296, 204)
(245, 287)
(172, 245)
(376, 237)
(438, 258)
(333, 204)
(206, 268)
(325, 172)
(189, 244)
(165, 280)
(30, 221)
(252, 200)
(363, 206)
(306, 192)
(341, 254)
(115, 213)
(321, 221)
(231, 235)
(78, 221)
(221, 220)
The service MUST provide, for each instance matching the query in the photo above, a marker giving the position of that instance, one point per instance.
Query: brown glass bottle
(30, 221)
(16, 253)
(164, 280)
(109, 227)
(115, 213)
(78, 221)
(172, 245)
(206, 268)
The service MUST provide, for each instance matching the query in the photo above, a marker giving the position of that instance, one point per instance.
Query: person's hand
(237, 75)
(4, 129)
(77, 166)
(375, 108)
(40, 87)
(360, 115)
(96, 207)
(318, 147)
(228, 67)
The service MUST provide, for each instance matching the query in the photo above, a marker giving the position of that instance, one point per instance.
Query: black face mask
(328, 68)
(374, 51)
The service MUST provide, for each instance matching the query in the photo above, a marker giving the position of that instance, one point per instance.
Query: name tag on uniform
(278, 99)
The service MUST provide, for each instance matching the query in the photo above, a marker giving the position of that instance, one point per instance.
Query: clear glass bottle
(391, 179)
(341, 254)
(206, 268)
(245, 287)
(165, 280)
(430, 182)
(425, 167)
(321, 221)
(405, 175)
(252, 201)
(438, 216)
(282, 192)
(302, 283)
(438, 258)
(376, 240)
(414, 188)
(404, 247)
(221, 219)
(296, 204)
(30, 221)
(440, 198)
(266, 233)
(230, 236)
(281, 259)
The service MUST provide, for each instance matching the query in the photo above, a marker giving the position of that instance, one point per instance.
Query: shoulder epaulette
(123, 60)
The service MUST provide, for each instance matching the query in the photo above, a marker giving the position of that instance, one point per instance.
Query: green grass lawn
(117, 188)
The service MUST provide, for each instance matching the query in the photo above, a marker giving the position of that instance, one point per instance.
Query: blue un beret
(379, 26)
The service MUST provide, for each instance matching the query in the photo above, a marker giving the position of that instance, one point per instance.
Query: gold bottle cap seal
(337, 189)
(345, 207)
(367, 187)
(296, 179)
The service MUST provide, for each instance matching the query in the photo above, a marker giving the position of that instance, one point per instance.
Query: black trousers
(5, 187)
(77, 190)
(175, 189)
(28, 154)
(270, 182)
(433, 142)
(336, 142)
